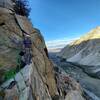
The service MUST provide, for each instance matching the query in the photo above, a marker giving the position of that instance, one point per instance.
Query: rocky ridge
(85, 52)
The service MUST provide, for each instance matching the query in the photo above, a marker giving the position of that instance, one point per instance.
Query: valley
(87, 82)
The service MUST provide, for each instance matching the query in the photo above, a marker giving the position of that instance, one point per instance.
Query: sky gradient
(64, 19)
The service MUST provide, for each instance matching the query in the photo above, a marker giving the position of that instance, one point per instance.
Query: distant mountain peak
(85, 50)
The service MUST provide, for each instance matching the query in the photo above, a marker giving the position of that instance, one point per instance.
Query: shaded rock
(20, 82)
(11, 94)
(24, 94)
(89, 95)
(74, 95)
(67, 87)
(25, 24)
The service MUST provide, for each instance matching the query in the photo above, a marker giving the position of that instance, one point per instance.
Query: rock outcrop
(29, 86)
(85, 52)
(67, 87)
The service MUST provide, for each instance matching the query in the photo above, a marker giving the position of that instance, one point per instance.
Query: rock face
(85, 51)
(29, 86)
(34, 81)
(90, 85)
(42, 82)
(68, 88)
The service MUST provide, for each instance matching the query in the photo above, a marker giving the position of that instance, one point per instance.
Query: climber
(27, 47)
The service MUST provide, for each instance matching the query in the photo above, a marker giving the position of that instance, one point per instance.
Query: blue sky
(64, 19)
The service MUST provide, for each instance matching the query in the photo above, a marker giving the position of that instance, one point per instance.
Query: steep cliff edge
(28, 81)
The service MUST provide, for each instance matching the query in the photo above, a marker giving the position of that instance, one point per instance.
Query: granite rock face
(11, 37)
(35, 81)
(29, 86)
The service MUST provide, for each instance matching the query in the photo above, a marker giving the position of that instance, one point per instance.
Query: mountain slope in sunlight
(85, 51)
